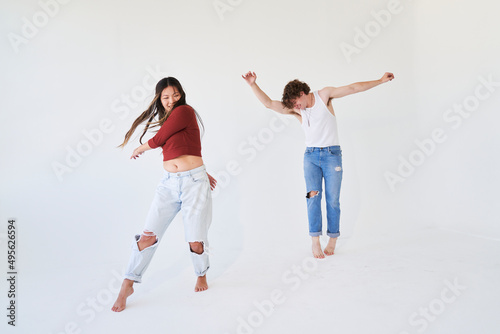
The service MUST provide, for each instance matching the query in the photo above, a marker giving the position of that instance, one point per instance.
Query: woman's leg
(197, 216)
(164, 208)
(127, 288)
(314, 179)
(200, 261)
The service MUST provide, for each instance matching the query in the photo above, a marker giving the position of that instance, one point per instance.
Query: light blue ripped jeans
(188, 192)
(323, 163)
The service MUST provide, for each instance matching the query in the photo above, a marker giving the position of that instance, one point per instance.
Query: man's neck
(310, 100)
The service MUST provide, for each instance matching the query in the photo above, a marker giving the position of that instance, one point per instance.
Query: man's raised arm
(277, 106)
(357, 87)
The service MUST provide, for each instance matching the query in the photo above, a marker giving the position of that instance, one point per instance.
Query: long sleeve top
(179, 135)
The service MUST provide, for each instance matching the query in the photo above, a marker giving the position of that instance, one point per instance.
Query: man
(323, 156)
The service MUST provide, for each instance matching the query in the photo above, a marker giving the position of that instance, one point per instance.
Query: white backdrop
(419, 152)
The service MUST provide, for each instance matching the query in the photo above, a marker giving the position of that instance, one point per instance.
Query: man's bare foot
(330, 247)
(201, 284)
(125, 291)
(316, 248)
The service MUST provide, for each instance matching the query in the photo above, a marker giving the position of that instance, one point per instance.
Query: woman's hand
(140, 150)
(137, 152)
(213, 182)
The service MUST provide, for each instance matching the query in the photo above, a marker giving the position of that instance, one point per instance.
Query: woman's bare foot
(330, 248)
(201, 284)
(125, 291)
(316, 248)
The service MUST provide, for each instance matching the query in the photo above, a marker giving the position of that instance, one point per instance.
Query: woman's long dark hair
(156, 110)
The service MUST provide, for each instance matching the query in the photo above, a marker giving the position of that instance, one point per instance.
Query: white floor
(427, 281)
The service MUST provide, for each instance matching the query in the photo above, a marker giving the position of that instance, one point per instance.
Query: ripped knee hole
(312, 193)
(196, 247)
(146, 239)
(148, 235)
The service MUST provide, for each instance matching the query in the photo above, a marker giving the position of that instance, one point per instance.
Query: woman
(185, 185)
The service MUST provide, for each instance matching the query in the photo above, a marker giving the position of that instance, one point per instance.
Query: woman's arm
(140, 150)
(178, 120)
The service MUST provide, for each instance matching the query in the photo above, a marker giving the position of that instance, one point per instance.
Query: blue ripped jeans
(323, 163)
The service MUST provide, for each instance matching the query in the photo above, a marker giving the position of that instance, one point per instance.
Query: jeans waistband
(328, 148)
(185, 173)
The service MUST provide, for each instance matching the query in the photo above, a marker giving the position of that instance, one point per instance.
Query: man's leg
(333, 178)
(314, 178)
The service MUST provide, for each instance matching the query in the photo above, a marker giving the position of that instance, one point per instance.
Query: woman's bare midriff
(182, 163)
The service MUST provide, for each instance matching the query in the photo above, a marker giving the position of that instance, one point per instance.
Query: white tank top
(319, 124)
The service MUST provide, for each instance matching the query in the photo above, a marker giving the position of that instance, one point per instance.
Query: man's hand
(250, 78)
(387, 77)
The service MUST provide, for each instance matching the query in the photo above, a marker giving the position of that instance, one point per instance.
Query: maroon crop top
(179, 135)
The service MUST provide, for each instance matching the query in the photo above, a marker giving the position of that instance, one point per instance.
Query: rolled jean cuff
(136, 279)
(333, 235)
(201, 263)
(315, 234)
(202, 273)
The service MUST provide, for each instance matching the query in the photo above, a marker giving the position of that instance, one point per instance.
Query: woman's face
(169, 96)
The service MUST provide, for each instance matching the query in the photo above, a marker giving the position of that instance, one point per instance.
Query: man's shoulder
(325, 94)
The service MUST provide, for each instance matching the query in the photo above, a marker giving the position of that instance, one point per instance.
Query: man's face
(300, 103)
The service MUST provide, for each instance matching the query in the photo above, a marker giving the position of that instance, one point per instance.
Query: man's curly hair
(292, 91)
